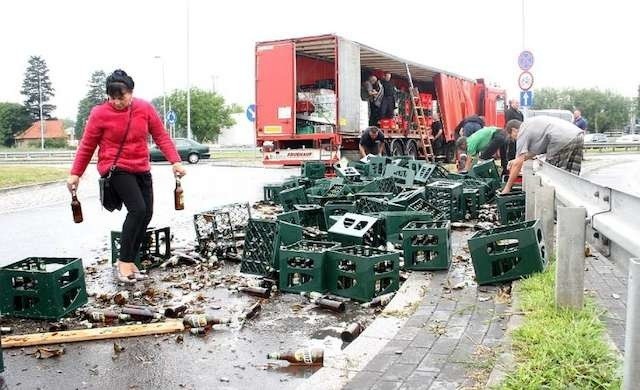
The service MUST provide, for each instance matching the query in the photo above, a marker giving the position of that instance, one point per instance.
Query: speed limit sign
(525, 81)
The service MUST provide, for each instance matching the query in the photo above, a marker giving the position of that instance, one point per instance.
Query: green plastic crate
(380, 184)
(303, 266)
(486, 194)
(42, 288)
(357, 229)
(337, 208)
(508, 252)
(260, 243)
(361, 167)
(472, 202)
(348, 173)
(423, 205)
(362, 273)
(374, 205)
(401, 175)
(311, 215)
(427, 245)
(270, 192)
(487, 170)
(290, 216)
(377, 165)
(394, 221)
(408, 196)
(155, 248)
(423, 172)
(313, 169)
(511, 207)
(447, 196)
(292, 196)
(1, 361)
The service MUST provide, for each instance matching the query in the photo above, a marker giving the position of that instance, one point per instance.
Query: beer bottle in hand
(178, 195)
(76, 209)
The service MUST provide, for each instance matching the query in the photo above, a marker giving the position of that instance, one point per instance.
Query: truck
(309, 103)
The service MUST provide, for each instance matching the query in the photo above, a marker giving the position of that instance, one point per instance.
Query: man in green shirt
(485, 142)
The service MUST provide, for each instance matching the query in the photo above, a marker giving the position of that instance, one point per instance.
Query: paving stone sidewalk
(450, 342)
(607, 283)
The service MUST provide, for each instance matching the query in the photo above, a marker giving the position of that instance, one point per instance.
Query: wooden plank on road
(73, 336)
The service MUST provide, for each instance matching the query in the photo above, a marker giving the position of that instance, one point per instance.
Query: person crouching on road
(127, 120)
(561, 141)
(371, 142)
(485, 142)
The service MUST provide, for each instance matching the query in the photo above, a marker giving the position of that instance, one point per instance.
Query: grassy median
(559, 349)
(11, 176)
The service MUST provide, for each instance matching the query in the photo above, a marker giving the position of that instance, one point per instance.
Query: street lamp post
(41, 116)
(189, 135)
(164, 94)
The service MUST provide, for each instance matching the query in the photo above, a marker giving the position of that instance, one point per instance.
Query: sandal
(124, 279)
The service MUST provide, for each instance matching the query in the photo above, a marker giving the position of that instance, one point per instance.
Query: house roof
(52, 129)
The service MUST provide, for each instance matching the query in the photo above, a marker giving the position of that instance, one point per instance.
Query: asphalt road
(38, 222)
(618, 171)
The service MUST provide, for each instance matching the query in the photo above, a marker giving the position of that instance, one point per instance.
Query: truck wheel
(412, 148)
(387, 148)
(397, 147)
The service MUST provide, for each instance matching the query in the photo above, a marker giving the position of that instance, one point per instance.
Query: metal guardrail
(613, 225)
(602, 146)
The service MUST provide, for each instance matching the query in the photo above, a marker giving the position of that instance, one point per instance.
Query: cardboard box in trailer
(309, 103)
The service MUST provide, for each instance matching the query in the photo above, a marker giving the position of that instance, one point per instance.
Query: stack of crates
(448, 197)
(427, 245)
(42, 288)
(155, 247)
(362, 273)
(394, 221)
(303, 266)
(508, 252)
(511, 207)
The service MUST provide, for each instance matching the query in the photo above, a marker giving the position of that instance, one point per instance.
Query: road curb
(339, 369)
(29, 186)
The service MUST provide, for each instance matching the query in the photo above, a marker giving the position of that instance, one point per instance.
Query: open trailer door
(275, 89)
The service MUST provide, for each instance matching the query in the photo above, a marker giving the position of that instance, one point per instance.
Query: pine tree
(95, 95)
(36, 80)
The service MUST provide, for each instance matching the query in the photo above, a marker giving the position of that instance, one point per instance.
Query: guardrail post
(570, 259)
(545, 208)
(531, 185)
(631, 375)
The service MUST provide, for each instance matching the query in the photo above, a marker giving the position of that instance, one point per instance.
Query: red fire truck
(309, 104)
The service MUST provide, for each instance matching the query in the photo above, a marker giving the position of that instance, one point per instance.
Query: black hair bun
(120, 76)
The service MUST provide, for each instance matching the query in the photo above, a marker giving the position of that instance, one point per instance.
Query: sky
(575, 43)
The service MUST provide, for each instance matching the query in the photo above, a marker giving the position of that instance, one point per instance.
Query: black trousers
(374, 114)
(136, 191)
(387, 107)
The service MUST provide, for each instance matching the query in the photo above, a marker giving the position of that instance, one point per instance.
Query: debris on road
(306, 356)
(46, 353)
(352, 331)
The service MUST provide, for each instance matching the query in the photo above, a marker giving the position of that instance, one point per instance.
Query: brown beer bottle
(178, 195)
(76, 208)
(302, 356)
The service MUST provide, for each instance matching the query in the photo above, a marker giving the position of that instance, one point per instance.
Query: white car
(629, 139)
(596, 138)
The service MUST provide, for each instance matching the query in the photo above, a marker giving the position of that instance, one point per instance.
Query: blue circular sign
(251, 112)
(525, 60)
(172, 117)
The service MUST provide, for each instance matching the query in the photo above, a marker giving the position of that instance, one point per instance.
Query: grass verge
(235, 155)
(11, 176)
(559, 349)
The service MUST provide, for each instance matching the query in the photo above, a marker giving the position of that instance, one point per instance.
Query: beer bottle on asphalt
(305, 356)
(178, 195)
(76, 208)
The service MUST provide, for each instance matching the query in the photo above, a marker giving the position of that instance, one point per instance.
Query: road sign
(526, 98)
(525, 81)
(525, 60)
(171, 117)
(251, 112)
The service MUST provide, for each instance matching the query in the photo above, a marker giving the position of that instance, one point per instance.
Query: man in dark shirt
(388, 97)
(371, 142)
(438, 135)
(470, 125)
(579, 121)
(513, 112)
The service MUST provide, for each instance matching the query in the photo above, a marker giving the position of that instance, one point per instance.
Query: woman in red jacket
(106, 128)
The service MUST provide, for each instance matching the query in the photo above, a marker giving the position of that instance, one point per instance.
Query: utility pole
(41, 116)
(189, 135)
(164, 94)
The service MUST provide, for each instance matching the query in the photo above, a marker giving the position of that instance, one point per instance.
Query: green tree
(637, 106)
(95, 95)
(14, 119)
(604, 110)
(36, 81)
(209, 114)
